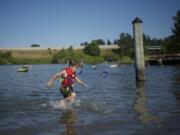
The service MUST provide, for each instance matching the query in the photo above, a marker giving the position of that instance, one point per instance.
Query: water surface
(112, 104)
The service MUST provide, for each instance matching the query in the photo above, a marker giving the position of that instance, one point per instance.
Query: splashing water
(63, 105)
(80, 104)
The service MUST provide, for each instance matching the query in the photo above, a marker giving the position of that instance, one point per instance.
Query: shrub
(92, 49)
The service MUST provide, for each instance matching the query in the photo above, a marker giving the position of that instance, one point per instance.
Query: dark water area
(112, 104)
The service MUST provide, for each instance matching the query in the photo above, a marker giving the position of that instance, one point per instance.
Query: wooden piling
(138, 48)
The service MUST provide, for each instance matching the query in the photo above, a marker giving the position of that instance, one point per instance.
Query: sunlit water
(112, 104)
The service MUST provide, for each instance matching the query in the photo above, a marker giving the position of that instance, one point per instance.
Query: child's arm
(80, 82)
(58, 75)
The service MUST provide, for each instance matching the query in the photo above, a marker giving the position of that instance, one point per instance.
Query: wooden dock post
(138, 48)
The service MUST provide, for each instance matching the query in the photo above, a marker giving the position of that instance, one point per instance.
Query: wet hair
(73, 63)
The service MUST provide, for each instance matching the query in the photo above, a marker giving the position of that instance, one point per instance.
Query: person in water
(67, 79)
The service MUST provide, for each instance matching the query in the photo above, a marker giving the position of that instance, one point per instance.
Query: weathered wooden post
(139, 50)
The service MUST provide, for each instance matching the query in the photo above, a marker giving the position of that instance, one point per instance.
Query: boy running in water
(67, 78)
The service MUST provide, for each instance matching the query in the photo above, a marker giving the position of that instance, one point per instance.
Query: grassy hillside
(46, 56)
(26, 56)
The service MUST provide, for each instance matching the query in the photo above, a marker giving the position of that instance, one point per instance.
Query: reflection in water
(140, 106)
(69, 119)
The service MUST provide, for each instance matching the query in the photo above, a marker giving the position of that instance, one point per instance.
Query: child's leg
(71, 97)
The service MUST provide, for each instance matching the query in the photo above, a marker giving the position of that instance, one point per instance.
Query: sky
(54, 23)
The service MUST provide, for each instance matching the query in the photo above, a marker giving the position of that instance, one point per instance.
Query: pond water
(112, 104)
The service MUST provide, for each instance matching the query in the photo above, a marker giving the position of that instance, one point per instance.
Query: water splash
(80, 104)
(61, 104)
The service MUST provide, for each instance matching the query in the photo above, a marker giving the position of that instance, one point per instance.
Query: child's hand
(85, 85)
(49, 84)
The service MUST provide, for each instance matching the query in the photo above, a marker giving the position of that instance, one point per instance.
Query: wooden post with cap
(138, 48)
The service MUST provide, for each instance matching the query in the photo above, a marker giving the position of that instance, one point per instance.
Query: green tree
(125, 43)
(171, 44)
(92, 49)
(109, 42)
(175, 46)
(115, 42)
(35, 45)
(99, 41)
(167, 45)
(146, 40)
(59, 56)
(84, 44)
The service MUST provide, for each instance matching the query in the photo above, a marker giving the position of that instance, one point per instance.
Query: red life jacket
(68, 81)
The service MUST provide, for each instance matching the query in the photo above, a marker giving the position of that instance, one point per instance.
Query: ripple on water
(109, 105)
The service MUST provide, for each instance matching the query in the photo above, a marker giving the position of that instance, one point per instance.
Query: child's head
(74, 64)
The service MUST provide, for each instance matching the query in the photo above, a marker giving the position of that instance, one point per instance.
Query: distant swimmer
(67, 79)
